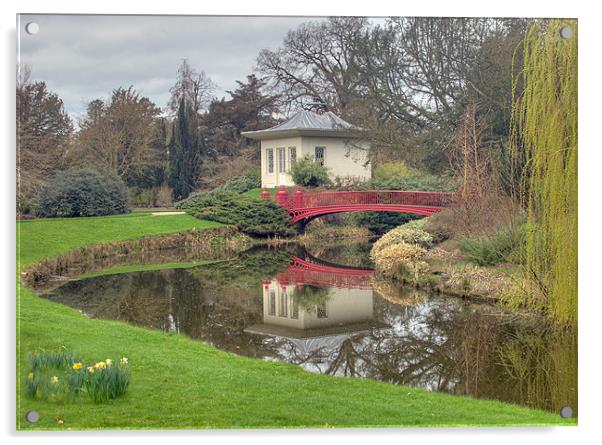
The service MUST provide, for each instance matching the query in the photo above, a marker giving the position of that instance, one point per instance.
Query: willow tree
(544, 125)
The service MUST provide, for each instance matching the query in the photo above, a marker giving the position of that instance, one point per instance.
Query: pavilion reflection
(306, 303)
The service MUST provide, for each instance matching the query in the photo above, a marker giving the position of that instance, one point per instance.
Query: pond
(319, 307)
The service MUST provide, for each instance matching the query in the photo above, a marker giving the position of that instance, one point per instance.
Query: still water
(321, 308)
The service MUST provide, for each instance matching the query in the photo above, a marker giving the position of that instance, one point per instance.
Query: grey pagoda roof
(306, 123)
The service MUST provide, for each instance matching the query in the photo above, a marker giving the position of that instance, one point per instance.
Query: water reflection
(288, 305)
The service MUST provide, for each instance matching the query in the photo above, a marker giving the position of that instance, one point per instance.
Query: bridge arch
(303, 207)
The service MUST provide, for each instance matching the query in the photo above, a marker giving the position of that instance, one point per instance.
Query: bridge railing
(299, 199)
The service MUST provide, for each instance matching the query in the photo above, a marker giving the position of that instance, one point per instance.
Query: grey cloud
(85, 57)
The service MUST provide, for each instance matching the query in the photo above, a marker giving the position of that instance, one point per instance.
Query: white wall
(342, 160)
(344, 306)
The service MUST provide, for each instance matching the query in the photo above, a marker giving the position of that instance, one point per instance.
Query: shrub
(410, 233)
(150, 197)
(506, 245)
(238, 184)
(244, 183)
(401, 261)
(381, 222)
(194, 200)
(255, 217)
(140, 197)
(164, 197)
(414, 181)
(82, 192)
(392, 169)
(439, 226)
(348, 182)
(307, 172)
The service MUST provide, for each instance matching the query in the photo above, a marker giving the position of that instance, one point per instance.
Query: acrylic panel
(306, 222)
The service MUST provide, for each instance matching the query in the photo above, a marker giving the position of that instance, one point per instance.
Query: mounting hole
(566, 412)
(566, 32)
(32, 28)
(32, 416)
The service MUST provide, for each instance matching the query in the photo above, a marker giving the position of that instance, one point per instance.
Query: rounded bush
(83, 192)
(410, 233)
(401, 261)
(307, 172)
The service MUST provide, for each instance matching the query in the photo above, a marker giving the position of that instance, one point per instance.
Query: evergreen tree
(185, 150)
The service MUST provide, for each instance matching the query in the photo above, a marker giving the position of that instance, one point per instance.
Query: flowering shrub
(59, 377)
(402, 261)
(410, 233)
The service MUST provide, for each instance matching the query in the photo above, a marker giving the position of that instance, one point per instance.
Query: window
(322, 312)
(320, 154)
(292, 156)
(272, 307)
(270, 156)
(283, 307)
(295, 313)
(281, 160)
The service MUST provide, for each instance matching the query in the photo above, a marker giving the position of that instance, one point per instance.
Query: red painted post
(265, 194)
(298, 198)
(282, 196)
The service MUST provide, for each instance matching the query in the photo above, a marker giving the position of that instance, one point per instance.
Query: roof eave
(278, 134)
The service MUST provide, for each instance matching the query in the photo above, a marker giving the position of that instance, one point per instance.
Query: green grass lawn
(181, 383)
(41, 238)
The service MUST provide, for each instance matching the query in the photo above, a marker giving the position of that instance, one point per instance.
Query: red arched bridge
(303, 272)
(306, 206)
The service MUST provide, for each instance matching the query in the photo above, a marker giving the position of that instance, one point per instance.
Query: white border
(590, 165)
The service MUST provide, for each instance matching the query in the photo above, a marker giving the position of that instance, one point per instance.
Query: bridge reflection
(302, 272)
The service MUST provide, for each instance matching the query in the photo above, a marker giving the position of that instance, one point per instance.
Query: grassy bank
(181, 383)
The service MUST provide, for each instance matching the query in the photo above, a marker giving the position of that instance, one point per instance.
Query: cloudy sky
(85, 57)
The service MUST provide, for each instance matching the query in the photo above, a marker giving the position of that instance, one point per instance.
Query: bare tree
(195, 87)
(317, 60)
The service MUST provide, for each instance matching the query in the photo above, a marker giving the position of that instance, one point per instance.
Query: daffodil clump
(105, 380)
(61, 378)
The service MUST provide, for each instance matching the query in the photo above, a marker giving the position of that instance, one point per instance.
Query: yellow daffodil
(109, 362)
(123, 361)
(54, 379)
(77, 366)
(90, 369)
(30, 376)
(100, 365)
